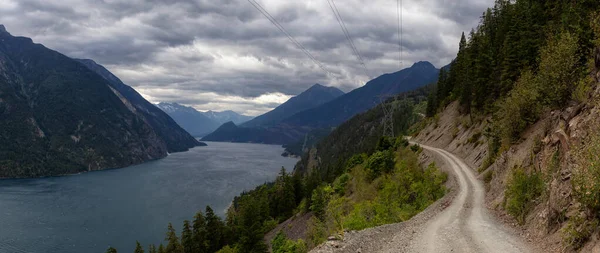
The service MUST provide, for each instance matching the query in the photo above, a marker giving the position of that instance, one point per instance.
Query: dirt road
(459, 222)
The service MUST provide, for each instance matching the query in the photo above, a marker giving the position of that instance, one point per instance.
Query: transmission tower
(388, 115)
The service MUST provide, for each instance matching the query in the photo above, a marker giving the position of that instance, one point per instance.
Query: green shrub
(281, 244)
(317, 232)
(578, 231)
(521, 191)
(488, 176)
(379, 163)
(356, 160)
(416, 148)
(339, 185)
(586, 175)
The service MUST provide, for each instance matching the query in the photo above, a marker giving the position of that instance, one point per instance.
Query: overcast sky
(224, 54)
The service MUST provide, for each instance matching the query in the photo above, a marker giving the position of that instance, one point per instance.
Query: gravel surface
(459, 222)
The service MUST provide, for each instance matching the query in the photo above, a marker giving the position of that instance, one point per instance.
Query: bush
(519, 109)
(339, 185)
(521, 191)
(578, 231)
(379, 163)
(356, 160)
(283, 245)
(586, 175)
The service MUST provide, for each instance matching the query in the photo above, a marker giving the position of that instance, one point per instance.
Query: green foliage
(398, 196)
(281, 244)
(385, 143)
(138, 248)
(380, 162)
(519, 109)
(578, 231)
(586, 175)
(187, 238)
(319, 200)
(521, 192)
(111, 250)
(199, 233)
(474, 138)
(317, 232)
(416, 148)
(356, 160)
(228, 249)
(339, 185)
(173, 245)
(488, 176)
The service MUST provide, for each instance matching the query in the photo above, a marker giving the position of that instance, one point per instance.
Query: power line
(400, 26)
(340, 20)
(288, 35)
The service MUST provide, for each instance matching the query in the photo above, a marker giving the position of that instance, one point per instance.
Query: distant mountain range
(275, 127)
(59, 115)
(200, 123)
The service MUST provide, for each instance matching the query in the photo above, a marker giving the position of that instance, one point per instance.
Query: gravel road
(459, 222)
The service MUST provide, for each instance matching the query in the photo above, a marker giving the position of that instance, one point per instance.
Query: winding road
(465, 225)
(459, 222)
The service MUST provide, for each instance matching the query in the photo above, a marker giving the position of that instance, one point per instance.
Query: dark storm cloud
(225, 55)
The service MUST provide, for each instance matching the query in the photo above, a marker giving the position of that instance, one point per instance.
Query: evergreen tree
(138, 248)
(173, 244)
(151, 248)
(214, 226)
(187, 237)
(199, 234)
(161, 248)
(111, 250)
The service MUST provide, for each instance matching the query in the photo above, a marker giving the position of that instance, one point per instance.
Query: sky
(225, 55)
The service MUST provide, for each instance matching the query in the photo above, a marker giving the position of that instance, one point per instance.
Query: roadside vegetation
(525, 59)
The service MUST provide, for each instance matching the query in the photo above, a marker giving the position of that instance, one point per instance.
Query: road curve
(465, 225)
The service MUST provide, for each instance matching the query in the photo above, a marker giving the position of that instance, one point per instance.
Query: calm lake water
(91, 211)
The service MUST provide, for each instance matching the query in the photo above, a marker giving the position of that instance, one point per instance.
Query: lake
(91, 211)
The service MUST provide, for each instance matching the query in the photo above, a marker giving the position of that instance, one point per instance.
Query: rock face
(176, 138)
(58, 117)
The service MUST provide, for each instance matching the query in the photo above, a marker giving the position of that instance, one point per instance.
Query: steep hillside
(59, 117)
(176, 138)
(226, 116)
(193, 121)
(529, 126)
(315, 96)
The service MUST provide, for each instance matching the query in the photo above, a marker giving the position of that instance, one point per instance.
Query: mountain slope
(176, 138)
(314, 96)
(226, 116)
(193, 121)
(336, 111)
(59, 117)
(361, 99)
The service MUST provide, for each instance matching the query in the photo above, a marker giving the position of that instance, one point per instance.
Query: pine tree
(214, 226)
(187, 237)
(111, 250)
(138, 247)
(173, 245)
(161, 248)
(151, 248)
(199, 234)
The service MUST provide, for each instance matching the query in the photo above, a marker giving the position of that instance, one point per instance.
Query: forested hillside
(526, 81)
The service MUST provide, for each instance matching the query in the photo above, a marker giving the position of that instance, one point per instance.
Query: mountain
(364, 98)
(314, 96)
(331, 114)
(58, 117)
(176, 138)
(193, 121)
(226, 116)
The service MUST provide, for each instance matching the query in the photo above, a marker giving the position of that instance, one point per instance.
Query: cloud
(224, 54)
